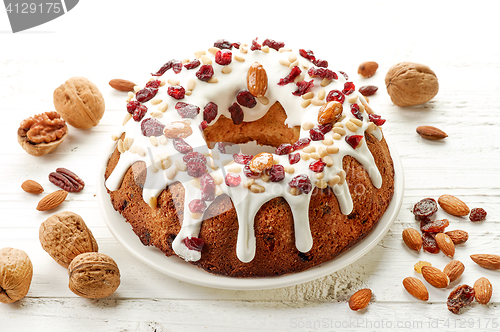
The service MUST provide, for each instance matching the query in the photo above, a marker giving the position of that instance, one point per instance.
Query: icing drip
(165, 165)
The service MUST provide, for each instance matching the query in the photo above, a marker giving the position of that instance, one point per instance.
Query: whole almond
(487, 261)
(453, 205)
(367, 68)
(177, 129)
(32, 187)
(412, 238)
(445, 244)
(122, 85)
(52, 200)
(430, 132)
(435, 277)
(360, 299)
(454, 269)
(483, 290)
(458, 236)
(416, 288)
(257, 80)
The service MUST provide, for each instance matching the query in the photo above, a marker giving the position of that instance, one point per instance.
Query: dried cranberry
(460, 297)
(223, 57)
(192, 64)
(145, 94)
(223, 44)
(241, 158)
(425, 208)
(335, 95)
(293, 158)
(355, 111)
(348, 88)
(303, 87)
(195, 156)
(249, 173)
(273, 44)
(182, 146)
(290, 77)
(376, 119)
(353, 140)
(197, 206)
(325, 128)
(233, 180)
(132, 105)
(207, 187)
(246, 99)
(429, 243)
(344, 74)
(205, 73)
(176, 92)
(309, 55)
(196, 169)
(236, 45)
(284, 148)
(255, 46)
(302, 183)
(210, 112)
(320, 63)
(317, 166)
(236, 113)
(203, 125)
(152, 127)
(153, 84)
(301, 143)
(276, 173)
(435, 226)
(139, 112)
(368, 90)
(167, 66)
(186, 110)
(193, 243)
(322, 73)
(477, 214)
(316, 134)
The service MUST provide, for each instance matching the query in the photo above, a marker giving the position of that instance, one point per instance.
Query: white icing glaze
(247, 203)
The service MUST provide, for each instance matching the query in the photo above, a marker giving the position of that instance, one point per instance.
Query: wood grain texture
(465, 164)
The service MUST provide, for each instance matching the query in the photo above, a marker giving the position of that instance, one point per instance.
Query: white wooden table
(125, 39)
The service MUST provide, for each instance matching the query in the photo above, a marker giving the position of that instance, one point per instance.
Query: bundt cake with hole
(186, 177)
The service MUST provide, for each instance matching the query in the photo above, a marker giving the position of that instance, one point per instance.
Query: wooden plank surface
(128, 40)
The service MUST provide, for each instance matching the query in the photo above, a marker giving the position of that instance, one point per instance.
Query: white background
(102, 40)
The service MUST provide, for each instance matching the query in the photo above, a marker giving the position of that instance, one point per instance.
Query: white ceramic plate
(179, 269)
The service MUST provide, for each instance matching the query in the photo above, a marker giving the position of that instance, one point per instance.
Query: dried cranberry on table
(477, 214)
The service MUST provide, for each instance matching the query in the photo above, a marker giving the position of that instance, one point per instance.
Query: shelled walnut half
(42, 133)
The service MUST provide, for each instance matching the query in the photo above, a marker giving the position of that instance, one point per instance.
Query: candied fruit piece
(186, 110)
(193, 243)
(460, 297)
(197, 206)
(335, 95)
(435, 226)
(210, 112)
(276, 173)
(246, 99)
(284, 148)
(477, 214)
(290, 77)
(425, 208)
(182, 146)
(236, 113)
(223, 57)
(152, 127)
(233, 180)
(205, 73)
(176, 92)
(302, 183)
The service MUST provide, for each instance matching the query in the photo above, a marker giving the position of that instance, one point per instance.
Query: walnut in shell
(411, 84)
(93, 275)
(16, 272)
(79, 102)
(64, 236)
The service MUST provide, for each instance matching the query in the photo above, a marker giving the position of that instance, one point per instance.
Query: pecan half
(67, 180)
